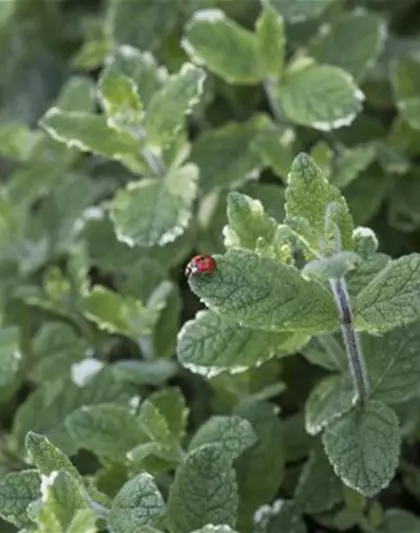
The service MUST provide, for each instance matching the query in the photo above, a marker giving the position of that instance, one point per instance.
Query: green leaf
(224, 154)
(275, 149)
(336, 266)
(300, 10)
(17, 491)
(141, 67)
(233, 433)
(170, 402)
(155, 212)
(405, 79)
(399, 521)
(350, 162)
(138, 503)
(260, 293)
(91, 133)
(204, 491)
(393, 364)
(212, 39)
(308, 197)
(260, 469)
(210, 528)
(322, 97)
(391, 299)
(168, 107)
(109, 431)
(121, 102)
(10, 355)
(84, 521)
(46, 457)
(116, 314)
(282, 515)
(363, 446)
(210, 345)
(317, 473)
(328, 400)
(271, 43)
(154, 424)
(78, 94)
(326, 351)
(330, 45)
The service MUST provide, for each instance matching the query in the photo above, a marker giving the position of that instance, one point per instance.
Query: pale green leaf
(210, 528)
(210, 345)
(363, 446)
(326, 351)
(309, 196)
(301, 10)
(271, 43)
(171, 404)
(154, 425)
(328, 400)
(121, 102)
(319, 96)
(405, 79)
(260, 293)
(392, 298)
(17, 491)
(318, 474)
(282, 515)
(276, 150)
(350, 162)
(168, 107)
(333, 267)
(155, 212)
(365, 272)
(78, 94)
(399, 521)
(233, 433)
(109, 431)
(84, 521)
(224, 154)
(141, 372)
(330, 45)
(10, 355)
(204, 491)
(91, 133)
(137, 504)
(41, 453)
(17, 141)
(224, 47)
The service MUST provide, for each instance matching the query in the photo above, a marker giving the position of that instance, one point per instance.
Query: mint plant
(272, 386)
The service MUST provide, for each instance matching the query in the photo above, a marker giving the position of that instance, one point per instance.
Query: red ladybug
(200, 264)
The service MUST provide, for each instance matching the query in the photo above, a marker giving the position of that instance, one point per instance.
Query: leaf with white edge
(363, 447)
(405, 79)
(84, 521)
(322, 97)
(392, 298)
(10, 355)
(41, 453)
(17, 491)
(142, 68)
(301, 10)
(109, 431)
(204, 491)
(316, 473)
(275, 148)
(210, 528)
(116, 314)
(365, 272)
(224, 154)
(271, 43)
(309, 196)
(330, 45)
(333, 267)
(247, 222)
(261, 293)
(137, 504)
(212, 39)
(155, 212)
(91, 133)
(282, 515)
(167, 108)
(393, 364)
(121, 102)
(328, 400)
(210, 345)
(233, 433)
(260, 469)
(399, 521)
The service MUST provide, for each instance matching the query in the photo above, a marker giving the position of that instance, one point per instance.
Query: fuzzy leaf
(300, 10)
(322, 97)
(168, 107)
(155, 212)
(275, 148)
(137, 504)
(392, 298)
(204, 491)
(271, 43)
(233, 433)
(17, 491)
(260, 293)
(210, 528)
(363, 446)
(213, 39)
(210, 344)
(282, 515)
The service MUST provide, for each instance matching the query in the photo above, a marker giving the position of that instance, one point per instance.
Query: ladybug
(200, 264)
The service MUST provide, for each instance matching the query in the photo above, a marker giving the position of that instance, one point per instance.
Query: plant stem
(351, 339)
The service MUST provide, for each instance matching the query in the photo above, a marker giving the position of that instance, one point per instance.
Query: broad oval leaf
(17, 491)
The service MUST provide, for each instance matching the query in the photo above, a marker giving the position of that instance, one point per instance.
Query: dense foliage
(278, 393)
